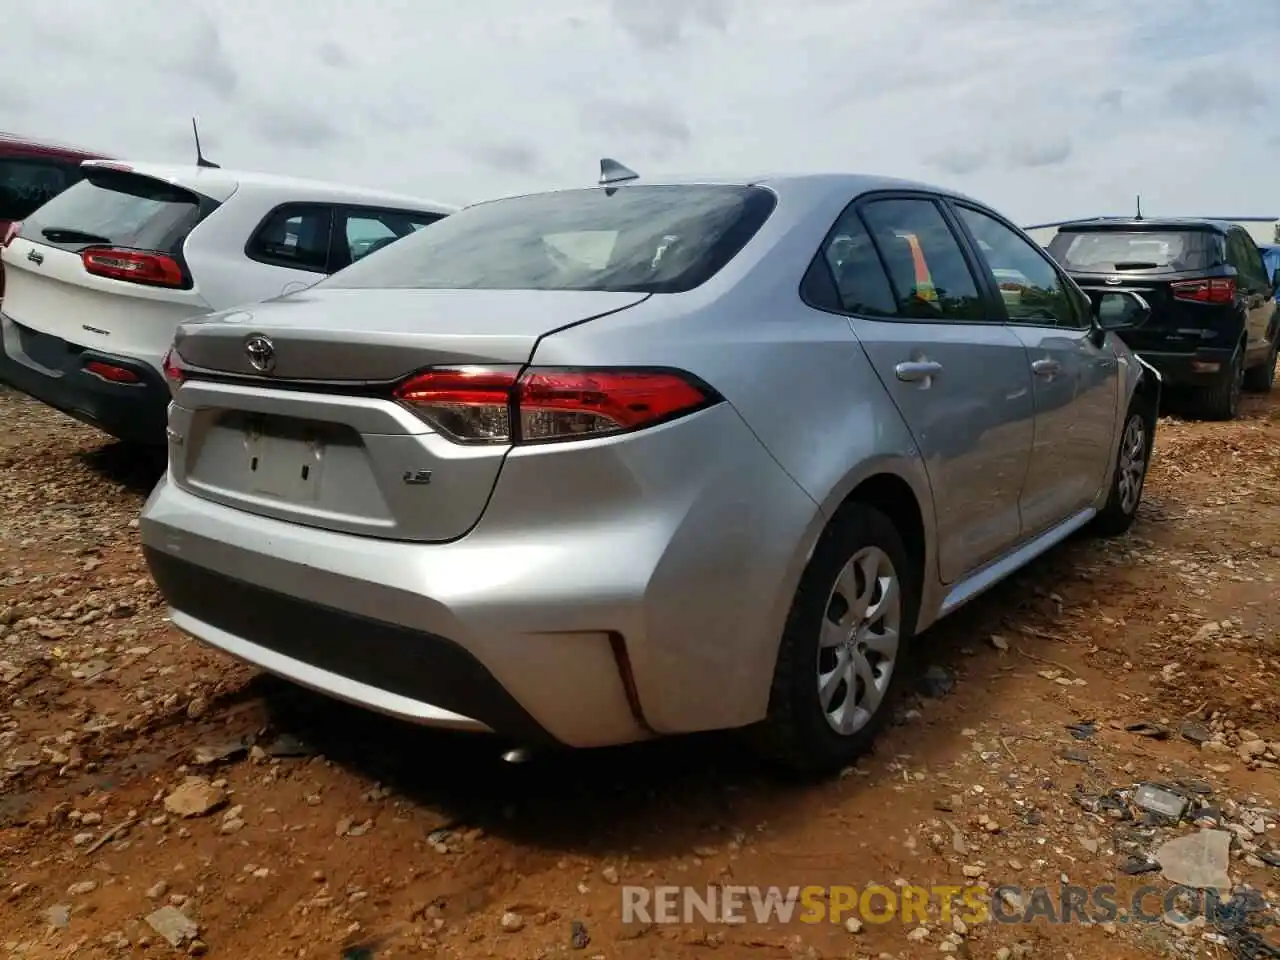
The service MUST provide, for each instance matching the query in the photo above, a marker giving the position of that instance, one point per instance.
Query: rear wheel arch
(884, 512)
(908, 507)
(895, 497)
(1146, 392)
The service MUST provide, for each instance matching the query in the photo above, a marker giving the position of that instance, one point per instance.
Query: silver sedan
(593, 466)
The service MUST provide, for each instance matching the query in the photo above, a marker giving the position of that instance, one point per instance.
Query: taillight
(501, 405)
(561, 404)
(1217, 290)
(135, 266)
(471, 404)
(10, 232)
(174, 372)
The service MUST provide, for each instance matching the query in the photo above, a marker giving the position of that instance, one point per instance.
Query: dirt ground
(338, 834)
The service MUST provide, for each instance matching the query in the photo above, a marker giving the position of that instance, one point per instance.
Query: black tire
(1262, 378)
(1221, 400)
(796, 731)
(1127, 481)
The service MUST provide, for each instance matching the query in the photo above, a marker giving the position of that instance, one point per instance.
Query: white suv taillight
(135, 266)
(502, 405)
(10, 232)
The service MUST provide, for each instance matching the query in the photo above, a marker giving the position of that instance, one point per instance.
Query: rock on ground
(194, 797)
(1199, 860)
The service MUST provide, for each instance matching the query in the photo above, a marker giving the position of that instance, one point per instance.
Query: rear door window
(1136, 251)
(858, 283)
(295, 236)
(644, 238)
(121, 209)
(930, 277)
(28, 184)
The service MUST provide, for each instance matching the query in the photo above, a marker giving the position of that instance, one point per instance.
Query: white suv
(98, 279)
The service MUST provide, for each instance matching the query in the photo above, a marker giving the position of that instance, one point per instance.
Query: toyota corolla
(592, 466)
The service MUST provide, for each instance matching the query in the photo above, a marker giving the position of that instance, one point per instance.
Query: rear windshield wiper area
(72, 235)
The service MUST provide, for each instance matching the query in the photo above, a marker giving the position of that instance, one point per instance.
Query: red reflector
(109, 371)
(135, 266)
(1217, 290)
(10, 232)
(496, 405)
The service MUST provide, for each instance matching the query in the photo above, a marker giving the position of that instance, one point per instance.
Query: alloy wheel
(1133, 463)
(859, 640)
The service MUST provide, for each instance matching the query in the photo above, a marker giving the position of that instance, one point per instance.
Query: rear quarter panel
(801, 383)
(225, 276)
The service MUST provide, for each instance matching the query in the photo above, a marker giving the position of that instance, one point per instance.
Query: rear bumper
(1199, 369)
(411, 673)
(52, 371)
(450, 635)
(606, 595)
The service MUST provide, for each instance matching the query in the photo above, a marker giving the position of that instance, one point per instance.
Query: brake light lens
(10, 232)
(1217, 290)
(560, 404)
(134, 266)
(502, 405)
(174, 372)
(469, 404)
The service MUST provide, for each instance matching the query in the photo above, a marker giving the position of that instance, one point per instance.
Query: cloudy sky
(1044, 108)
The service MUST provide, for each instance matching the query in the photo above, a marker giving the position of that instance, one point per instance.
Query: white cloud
(1042, 108)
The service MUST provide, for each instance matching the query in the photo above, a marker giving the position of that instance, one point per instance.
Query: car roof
(223, 183)
(1103, 224)
(15, 143)
(838, 184)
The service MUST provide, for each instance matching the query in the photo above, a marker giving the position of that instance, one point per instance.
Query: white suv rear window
(122, 209)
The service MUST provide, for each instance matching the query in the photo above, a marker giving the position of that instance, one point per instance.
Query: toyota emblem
(261, 353)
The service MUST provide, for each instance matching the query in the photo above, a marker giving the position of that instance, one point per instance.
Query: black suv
(1213, 326)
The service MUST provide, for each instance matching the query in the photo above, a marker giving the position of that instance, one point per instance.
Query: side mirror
(1119, 310)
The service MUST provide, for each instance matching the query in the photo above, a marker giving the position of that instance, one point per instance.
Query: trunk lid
(343, 335)
(320, 441)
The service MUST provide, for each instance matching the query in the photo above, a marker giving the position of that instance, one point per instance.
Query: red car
(31, 174)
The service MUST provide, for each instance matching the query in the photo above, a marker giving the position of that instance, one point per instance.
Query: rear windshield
(123, 209)
(648, 239)
(1143, 251)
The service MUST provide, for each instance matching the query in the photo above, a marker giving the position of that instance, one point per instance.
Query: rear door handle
(914, 371)
(1046, 367)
